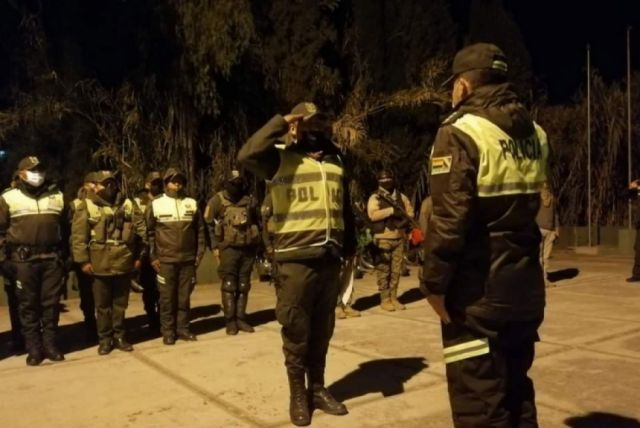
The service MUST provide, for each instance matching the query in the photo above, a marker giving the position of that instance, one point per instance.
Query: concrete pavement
(387, 366)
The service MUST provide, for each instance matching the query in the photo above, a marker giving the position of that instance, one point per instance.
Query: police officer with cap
(233, 222)
(312, 229)
(32, 226)
(153, 188)
(84, 281)
(482, 274)
(176, 236)
(108, 238)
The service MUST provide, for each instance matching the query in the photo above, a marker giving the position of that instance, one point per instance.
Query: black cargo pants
(85, 291)
(38, 289)
(307, 291)
(14, 313)
(111, 294)
(175, 283)
(487, 363)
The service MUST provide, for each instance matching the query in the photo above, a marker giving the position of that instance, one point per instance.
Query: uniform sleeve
(80, 234)
(374, 211)
(150, 221)
(259, 154)
(4, 226)
(408, 207)
(211, 216)
(140, 229)
(200, 228)
(452, 195)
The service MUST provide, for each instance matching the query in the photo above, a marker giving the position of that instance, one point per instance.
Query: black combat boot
(241, 319)
(35, 356)
(298, 401)
(51, 351)
(105, 347)
(322, 398)
(229, 308)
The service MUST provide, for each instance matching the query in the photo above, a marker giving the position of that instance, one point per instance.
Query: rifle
(394, 204)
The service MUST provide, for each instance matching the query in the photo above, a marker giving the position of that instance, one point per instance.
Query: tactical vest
(111, 225)
(390, 223)
(236, 228)
(307, 202)
(507, 166)
(21, 205)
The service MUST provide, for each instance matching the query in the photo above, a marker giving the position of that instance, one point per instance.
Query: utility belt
(24, 253)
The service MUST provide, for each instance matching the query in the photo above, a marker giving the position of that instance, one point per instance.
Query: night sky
(556, 34)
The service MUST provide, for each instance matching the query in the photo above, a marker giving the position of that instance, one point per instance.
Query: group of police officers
(481, 273)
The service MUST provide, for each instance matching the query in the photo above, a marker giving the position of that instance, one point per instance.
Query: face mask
(314, 141)
(34, 179)
(109, 194)
(389, 185)
(234, 188)
(156, 188)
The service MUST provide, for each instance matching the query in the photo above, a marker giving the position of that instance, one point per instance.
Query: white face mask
(34, 179)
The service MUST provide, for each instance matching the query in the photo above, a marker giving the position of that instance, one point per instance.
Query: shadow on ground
(562, 274)
(208, 322)
(602, 420)
(385, 376)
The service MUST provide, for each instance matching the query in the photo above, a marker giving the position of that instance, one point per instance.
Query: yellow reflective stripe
(466, 350)
(161, 279)
(509, 188)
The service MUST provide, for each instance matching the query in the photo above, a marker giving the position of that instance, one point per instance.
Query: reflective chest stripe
(507, 166)
(21, 205)
(171, 210)
(142, 206)
(307, 198)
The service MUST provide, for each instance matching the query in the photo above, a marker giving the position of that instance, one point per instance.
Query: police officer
(87, 304)
(108, 237)
(313, 227)
(153, 188)
(389, 226)
(233, 222)
(482, 274)
(17, 340)
(32, 225)
(176, 237)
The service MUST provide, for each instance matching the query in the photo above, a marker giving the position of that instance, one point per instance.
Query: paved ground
(388, 367)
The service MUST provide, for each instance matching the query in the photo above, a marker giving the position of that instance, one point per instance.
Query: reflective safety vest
(172, 210)
(507, 166)
(21, 205)
(307, 202)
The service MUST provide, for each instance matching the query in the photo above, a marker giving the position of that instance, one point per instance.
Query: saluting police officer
(481, 272)
(84, 281)
(153, 188)
(233, 223)
(108, 238)
(312, 228)
(389, 224)
(176, 236)
(33, 229)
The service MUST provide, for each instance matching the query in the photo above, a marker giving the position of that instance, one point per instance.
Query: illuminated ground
(388, 367)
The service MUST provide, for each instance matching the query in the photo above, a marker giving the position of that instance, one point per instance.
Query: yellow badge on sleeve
(441, 165)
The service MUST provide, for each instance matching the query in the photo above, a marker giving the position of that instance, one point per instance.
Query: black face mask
(108, 194)
(235, 188)
(156, 188)
(389, 186)
(314, 141)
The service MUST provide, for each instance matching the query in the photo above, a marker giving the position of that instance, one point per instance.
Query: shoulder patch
(441, 165)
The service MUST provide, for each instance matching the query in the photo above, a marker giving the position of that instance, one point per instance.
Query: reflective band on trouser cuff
(466, 350)
(161, 279)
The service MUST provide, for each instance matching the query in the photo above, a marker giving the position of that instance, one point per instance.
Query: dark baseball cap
(477, 57)
(29, 162)
(153, 176)
(172, 173)
(102, 176)
(309, 111)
